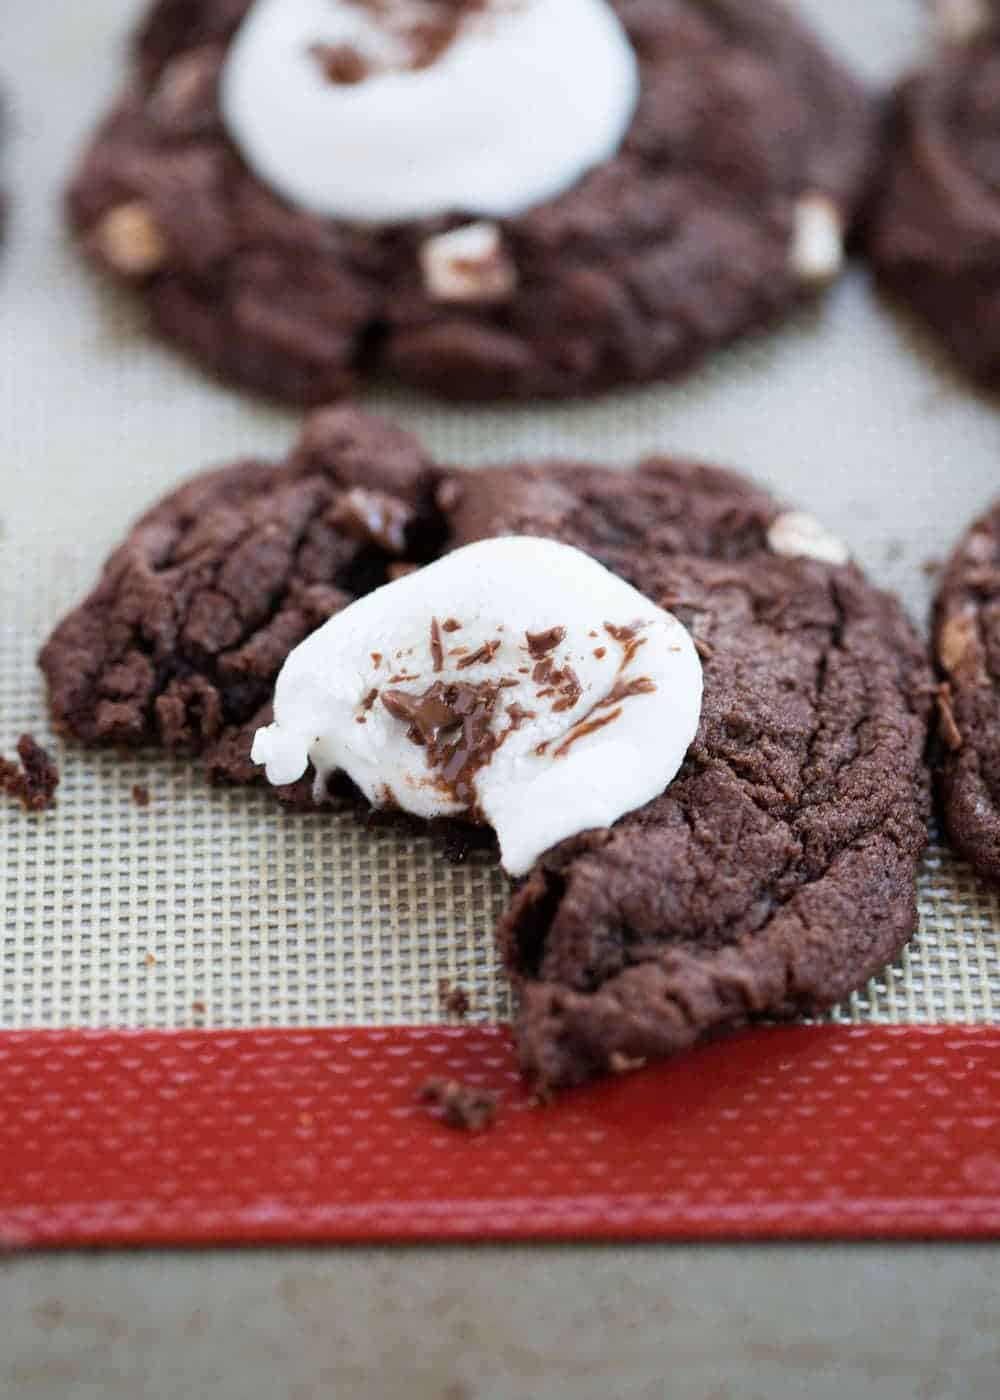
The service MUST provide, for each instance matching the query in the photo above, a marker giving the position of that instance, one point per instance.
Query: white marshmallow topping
(528, 96)
(580, 696)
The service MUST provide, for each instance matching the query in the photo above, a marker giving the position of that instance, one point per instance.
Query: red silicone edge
(198, 1137)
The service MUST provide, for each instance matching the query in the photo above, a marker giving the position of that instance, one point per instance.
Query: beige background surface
(115, 915)
(95, 420)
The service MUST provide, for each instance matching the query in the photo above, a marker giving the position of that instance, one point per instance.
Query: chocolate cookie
(774, 874)
(967, 649)
(935, 237)
(726, 203)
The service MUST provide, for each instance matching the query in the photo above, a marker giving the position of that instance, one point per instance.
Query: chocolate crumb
(704, 649)
(462, 1105)
(341, 63)
(150, 960)
(198, 1007)
(600, 652)
(140, 795)
(33, 784)
(950, 732)
(455, 999)
(451, 624)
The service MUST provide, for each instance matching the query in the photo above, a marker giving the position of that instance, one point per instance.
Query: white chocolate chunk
(468, 264)
(817, 250)
(517, 108)
(589, 695)
(128, 238)
(800, 536)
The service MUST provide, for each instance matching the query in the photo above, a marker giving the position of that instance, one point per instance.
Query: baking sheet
(219, 908)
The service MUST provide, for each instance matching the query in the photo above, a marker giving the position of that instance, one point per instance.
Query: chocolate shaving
(485, 653)
(33, 784)
(451, 624)
(437, 651)
(454, 722)
(140, 795)
(585, 727)
(541, 643)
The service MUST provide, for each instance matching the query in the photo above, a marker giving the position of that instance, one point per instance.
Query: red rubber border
(194, 1137)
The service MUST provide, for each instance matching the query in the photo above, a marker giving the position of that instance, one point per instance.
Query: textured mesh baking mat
(217, 907)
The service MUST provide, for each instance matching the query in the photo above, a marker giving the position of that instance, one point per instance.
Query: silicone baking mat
(214, 910)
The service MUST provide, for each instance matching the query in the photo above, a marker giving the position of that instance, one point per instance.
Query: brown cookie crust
(967, 650)
(935, 234)
(776, 872)
(678, 244)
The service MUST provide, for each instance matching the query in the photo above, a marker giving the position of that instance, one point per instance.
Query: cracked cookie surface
(967, 650)
(935, 237)
(775, 873)
(688, 237)
(182, 639)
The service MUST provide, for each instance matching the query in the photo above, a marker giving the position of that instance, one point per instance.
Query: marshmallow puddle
(515, 682)
(330, 105)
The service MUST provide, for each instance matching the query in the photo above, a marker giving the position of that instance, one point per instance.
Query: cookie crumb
(462, 1105)
(455, 999)
(140, 795)
(950, 732)
(33, 784)
(150, 960)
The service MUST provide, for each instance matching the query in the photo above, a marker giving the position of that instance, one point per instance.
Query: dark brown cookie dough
(679, 244)
(967, 649)
(774, 874)
(935, 236)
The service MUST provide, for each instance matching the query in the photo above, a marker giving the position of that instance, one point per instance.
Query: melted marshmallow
(520, 105)
(585, 694)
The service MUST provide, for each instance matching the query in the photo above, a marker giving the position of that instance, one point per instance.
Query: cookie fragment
(32, 783)
(461, 1106)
